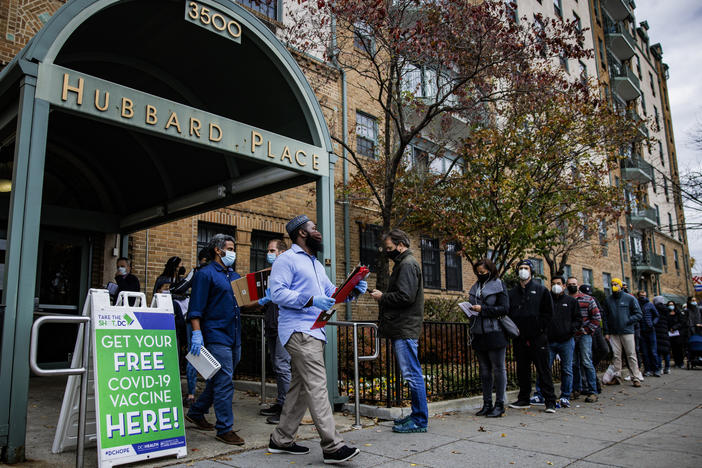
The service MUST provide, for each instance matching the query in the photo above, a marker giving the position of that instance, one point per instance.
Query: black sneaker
(341, 455)
(272, 410)
(519, 404)
(275, 419)
(292, 449)
(550, 408)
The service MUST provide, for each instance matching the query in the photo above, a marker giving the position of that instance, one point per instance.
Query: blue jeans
(281, 367)
(219, 390)
(565, 350)
(190, 372)
(649, 349)
(584, 375)
(406, 353)
(666, 359)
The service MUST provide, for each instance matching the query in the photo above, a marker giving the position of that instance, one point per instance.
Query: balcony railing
(637, 170)
(626, 83)
(619, 41)
(643, 218)
(642, 127)
(647, 262)
(618, 9)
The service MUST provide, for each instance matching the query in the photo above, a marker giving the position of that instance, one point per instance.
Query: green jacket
(402, 305)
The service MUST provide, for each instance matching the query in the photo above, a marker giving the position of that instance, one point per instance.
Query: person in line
(280, 359)
(662, 337)
(600, 347)
(401, 317)
(531, 309)
(172, 272)
(490, 299)
(203, 258)
(649, 347)
(216, 320)
(566, 322)
(622, 313)
(693, 314)
(124, 278)
(302, 290)
(678, 327)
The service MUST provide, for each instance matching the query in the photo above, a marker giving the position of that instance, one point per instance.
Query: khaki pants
(627, 344)
(308, 389)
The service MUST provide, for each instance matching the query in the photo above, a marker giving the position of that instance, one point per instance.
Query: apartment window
(567, 271)
(603, 57)
(431, 263)
(558, 8)
(583, 73)
(587, 276)
(607, 283)
(362, 38)
(454, 271)
(576, 18)
(660, 152)
(622, 244)
(511, 7)
(653, 88)
(657, 118)
(369, 235)
(638, 66)
(643, 104)
(676, 259)
(366, 134)
(658, 216)
(538, 269)
(563, 58)
(663, 256)
(259, 249)
(268, 8)
(665, 188)
(670, 223)
(206, 231)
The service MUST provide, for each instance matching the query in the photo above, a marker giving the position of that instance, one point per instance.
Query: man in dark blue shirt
(216, 321)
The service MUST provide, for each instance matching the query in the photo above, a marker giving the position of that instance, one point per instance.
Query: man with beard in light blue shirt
(300, 287)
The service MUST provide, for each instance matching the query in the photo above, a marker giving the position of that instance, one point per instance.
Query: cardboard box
(250, 288)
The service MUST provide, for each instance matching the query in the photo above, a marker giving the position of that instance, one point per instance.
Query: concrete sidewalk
(657, 425)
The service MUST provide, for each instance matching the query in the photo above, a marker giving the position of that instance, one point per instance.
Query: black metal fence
(449, 364)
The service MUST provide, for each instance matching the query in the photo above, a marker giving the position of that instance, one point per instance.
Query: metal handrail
(82, 371)
(357, 358)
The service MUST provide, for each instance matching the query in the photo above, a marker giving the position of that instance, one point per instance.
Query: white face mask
(122, 270)
(524, 274)
(557, 289)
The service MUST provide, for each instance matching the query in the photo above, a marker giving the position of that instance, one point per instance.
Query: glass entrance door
(62, 283)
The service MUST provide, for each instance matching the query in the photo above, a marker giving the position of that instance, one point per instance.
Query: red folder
(342, 293)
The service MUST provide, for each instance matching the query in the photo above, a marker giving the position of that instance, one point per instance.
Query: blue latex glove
(265, 299)
(196, 342)
(323, 302)
(362, 287)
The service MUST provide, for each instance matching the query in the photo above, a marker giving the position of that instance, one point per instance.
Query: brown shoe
(200, 422)
(591, 398)
(637, 383)
(230, 438)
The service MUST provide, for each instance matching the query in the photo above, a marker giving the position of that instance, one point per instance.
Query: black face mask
(572, 289)
(313, 244)
(392, 254)
(483, 278)
(181, 271)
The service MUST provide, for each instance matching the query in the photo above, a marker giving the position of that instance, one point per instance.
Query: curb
(436, 407)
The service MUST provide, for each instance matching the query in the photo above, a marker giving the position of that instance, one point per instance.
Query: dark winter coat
(402, 305)
(270, 318)
(567, 319)
(678, 322)
(662, 337)
(485, 330)
(623, 312)
(531, 309)
(650, 315)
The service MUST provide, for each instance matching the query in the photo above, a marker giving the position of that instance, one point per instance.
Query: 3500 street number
(213, 20)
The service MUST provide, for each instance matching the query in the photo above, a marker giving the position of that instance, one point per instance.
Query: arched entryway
(123, 114)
